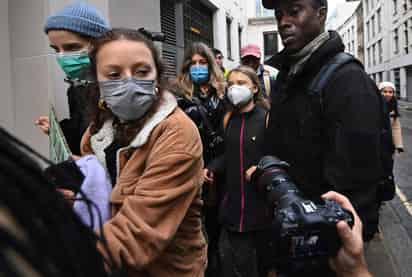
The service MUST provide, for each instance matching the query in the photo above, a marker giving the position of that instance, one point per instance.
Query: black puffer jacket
(79, 118)
(337, 149)
(211, 107)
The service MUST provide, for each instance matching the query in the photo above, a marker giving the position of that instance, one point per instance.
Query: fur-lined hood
(105, 136)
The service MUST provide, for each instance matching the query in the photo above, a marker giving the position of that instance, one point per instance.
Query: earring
(102, 105)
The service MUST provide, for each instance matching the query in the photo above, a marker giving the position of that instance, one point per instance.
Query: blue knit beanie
(79, 18)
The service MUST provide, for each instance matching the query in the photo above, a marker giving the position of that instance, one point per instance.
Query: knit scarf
(300, 58)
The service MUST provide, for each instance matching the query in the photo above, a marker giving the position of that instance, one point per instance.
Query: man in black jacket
(331, 144)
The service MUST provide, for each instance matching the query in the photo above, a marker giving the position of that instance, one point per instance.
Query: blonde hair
(216, 79)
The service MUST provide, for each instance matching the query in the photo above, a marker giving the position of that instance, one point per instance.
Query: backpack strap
(266, 80)
(326, 72)
(226, 119)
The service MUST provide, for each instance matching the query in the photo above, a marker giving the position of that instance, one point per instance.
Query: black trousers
(244, 254)
(212, 230)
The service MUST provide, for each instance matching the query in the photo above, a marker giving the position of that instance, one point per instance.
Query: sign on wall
(59, 149)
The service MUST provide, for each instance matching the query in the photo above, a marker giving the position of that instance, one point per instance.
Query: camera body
(302, 230)
(307, 230)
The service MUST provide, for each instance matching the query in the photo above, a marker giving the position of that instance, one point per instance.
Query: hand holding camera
(350, 259)
(304, 232)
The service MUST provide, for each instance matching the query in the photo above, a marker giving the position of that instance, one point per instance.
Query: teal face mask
(74, 63)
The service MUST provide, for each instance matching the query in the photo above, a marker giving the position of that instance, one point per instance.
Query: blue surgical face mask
(128, 99)
(199, 74)
(74, 63)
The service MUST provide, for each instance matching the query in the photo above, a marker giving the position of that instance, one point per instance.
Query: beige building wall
(7, 100)
(29, 69)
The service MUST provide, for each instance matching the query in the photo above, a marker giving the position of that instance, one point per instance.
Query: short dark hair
(270, 4)
(216, 52)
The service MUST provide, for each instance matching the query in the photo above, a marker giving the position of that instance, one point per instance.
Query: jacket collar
(105, 136)
(328, 49)
(167, 106)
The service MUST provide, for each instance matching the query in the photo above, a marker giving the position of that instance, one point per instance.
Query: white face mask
(239, 95)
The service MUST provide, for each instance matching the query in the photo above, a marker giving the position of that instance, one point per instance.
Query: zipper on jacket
(242, 183)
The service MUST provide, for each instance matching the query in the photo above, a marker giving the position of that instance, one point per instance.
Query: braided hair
(39, 232)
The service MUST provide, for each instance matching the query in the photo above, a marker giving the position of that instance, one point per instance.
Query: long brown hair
(124, 132)
(251, 74)
(216, 79)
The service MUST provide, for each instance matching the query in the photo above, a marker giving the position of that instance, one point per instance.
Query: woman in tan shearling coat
(153, 154)
(388, 91)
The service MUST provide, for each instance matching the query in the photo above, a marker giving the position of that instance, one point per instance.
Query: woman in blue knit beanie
(71, 33)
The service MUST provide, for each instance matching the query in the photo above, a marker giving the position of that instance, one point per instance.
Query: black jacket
(79, 118)
(242, 207)
(207, 113)
(338, 148)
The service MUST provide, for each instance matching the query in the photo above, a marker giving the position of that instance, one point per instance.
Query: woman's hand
(249, 173)
(209, 176)
(68, 195)
(44, 124)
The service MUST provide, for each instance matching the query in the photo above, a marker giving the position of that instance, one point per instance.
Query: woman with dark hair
(153, 154)
(200, 92)
(71, 33)
(39, 233)
(388, 91)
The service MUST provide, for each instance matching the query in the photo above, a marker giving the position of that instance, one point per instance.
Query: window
(229, 37)
(404, 6)
(374, 55)
(406, 37)
(410, 26)
(197, 23)
(261, 11)
(395, 41)
(353, 32)
(240, 30)
(270, 41)
(368, 30)
(367, 5)
(169, 28)
(380, 51)
(397, 81)
(379, 16)
(373, 26)
(369, 57)
(395, 6)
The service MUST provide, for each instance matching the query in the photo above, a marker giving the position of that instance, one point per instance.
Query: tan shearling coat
(155, 229)
(396, 132)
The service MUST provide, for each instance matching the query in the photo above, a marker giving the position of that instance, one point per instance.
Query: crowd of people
(179, 155)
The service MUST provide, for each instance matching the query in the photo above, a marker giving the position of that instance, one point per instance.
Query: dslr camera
(302, 231)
